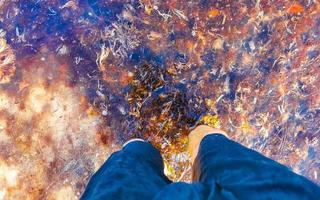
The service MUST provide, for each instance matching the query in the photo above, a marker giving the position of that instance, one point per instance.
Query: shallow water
(79, 78)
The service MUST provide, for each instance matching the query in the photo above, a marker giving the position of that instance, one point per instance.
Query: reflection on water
(79, 78)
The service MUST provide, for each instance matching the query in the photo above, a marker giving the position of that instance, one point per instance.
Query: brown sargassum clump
(165, 109)
(7, 62)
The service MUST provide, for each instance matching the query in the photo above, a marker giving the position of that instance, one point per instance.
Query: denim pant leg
(236, 172)
(135, 172)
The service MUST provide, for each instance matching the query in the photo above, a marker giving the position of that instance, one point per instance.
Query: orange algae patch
(213, 13)
(190, 45)
(91, 111)
(295, 8)
(148, 9)
(211, 120)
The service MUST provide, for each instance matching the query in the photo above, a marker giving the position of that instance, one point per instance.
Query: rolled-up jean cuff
(132, 140)
(215, 136)
(213, 140)
(210, 142)
(143, 150)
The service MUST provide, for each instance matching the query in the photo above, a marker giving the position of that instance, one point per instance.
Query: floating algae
(79, 78)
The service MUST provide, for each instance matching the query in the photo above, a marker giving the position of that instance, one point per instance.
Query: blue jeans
(223, 169)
